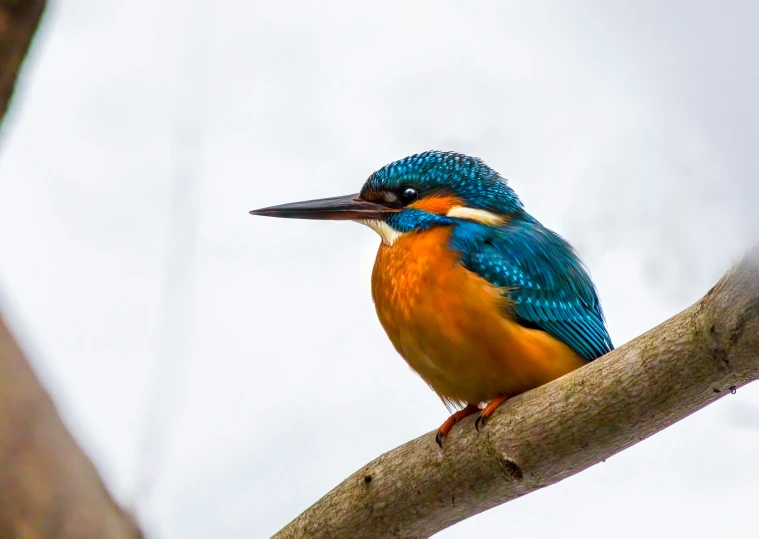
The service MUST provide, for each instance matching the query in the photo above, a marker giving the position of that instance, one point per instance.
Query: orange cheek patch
(439, 204)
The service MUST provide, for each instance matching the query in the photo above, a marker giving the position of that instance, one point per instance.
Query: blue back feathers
(545, 282)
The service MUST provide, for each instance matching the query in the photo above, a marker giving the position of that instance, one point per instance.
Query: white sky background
(143, 132)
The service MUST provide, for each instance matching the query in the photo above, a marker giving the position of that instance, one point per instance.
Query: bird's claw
(488, 411)
(446, 427)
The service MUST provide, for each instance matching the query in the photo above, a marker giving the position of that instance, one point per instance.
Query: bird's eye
(408, 195)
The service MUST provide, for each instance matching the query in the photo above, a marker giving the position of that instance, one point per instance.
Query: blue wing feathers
(544, 280)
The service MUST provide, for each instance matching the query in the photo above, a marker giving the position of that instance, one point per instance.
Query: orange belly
(449, 324)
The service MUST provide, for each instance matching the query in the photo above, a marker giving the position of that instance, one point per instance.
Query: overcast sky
(225, 371)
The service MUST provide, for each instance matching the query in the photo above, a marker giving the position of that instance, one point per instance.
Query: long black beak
(348, 207)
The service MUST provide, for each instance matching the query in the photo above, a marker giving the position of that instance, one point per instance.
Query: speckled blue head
(436, 172)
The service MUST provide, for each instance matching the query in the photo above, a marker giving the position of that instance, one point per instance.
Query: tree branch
(556, 430)
(48, 487)
(18, 23)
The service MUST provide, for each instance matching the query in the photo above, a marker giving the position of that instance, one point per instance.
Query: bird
(479, 298)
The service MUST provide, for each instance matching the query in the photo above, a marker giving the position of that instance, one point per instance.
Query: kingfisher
(479, 298)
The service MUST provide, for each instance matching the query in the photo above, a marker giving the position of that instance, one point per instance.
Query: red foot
(488, 411)
(446, 427)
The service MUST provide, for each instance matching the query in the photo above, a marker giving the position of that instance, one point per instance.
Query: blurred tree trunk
(48, 487)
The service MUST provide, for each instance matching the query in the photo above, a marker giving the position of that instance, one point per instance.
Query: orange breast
(449, 324)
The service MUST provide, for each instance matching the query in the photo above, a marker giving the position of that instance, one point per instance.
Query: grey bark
(557, 430)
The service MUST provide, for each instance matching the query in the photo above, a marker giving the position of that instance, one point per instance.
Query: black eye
(408, 195)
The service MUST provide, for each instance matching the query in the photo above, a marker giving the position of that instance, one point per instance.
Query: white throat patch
(388, 234)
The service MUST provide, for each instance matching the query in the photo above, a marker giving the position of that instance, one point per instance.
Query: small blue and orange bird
(478, 297)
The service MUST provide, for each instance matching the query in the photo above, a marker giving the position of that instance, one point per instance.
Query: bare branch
(18, 22)
(557, 430)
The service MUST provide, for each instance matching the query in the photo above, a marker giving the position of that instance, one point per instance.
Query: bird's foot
(446, 427)
(488, 411)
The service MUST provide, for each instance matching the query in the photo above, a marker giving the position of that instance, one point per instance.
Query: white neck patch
(473, 214)
(388, 234)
